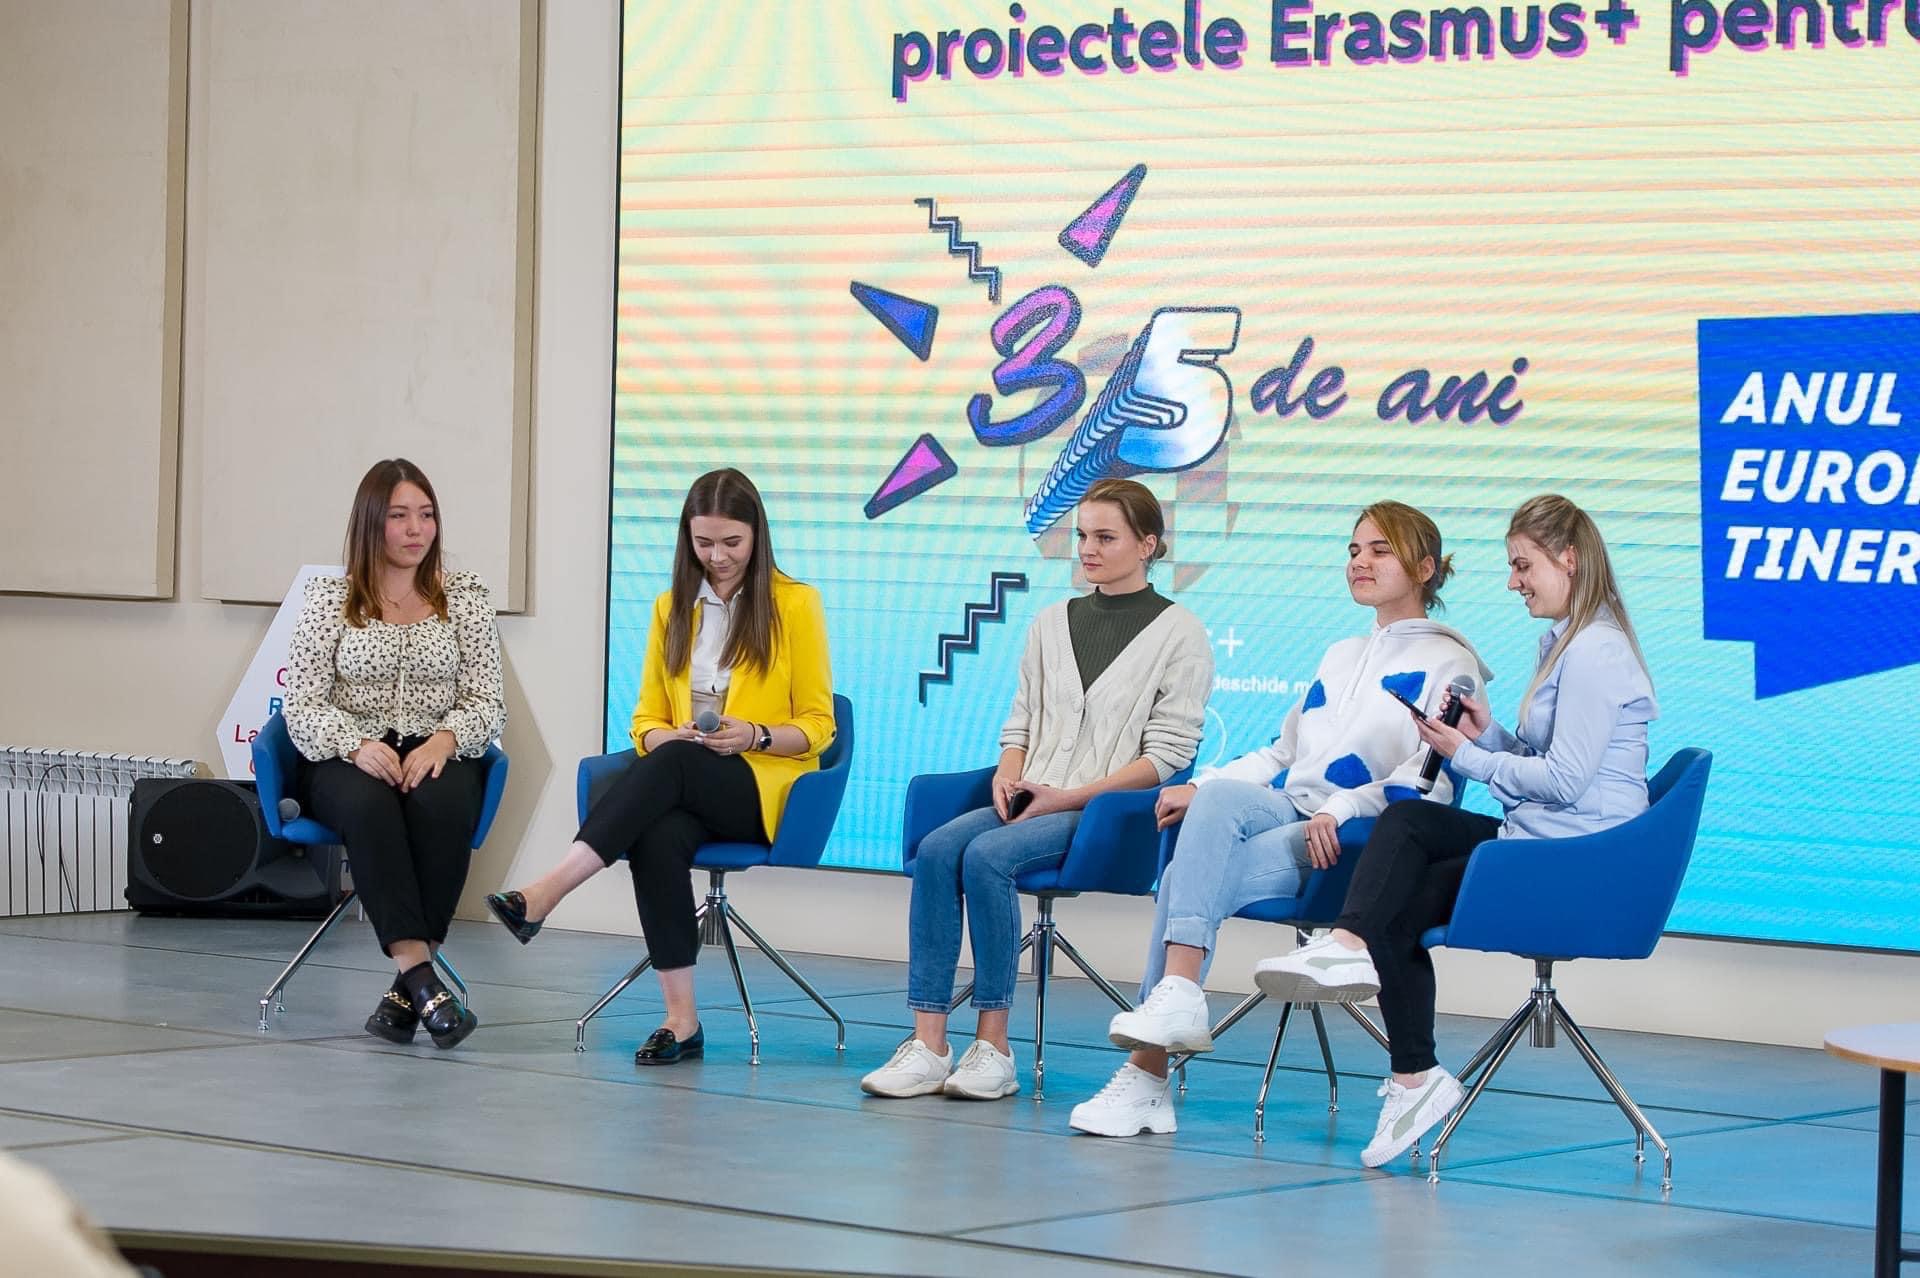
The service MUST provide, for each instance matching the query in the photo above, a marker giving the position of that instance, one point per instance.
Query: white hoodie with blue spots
(1348, 748)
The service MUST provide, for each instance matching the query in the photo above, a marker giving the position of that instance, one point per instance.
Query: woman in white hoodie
(1255, 827)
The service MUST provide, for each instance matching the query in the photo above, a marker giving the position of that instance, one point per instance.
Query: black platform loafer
(444, 1016)
(511, 909)
(394, 1019)
(662, 1048)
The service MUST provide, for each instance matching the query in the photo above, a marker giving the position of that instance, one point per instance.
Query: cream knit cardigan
(1151, 702)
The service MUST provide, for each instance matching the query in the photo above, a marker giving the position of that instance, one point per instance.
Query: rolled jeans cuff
(1191, 929)
(922, 1005)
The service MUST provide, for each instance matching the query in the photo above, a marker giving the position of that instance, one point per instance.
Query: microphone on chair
(1463, 686)
(706, 721)
(289, 809)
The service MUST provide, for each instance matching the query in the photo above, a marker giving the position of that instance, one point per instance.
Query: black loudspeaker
(196, 846)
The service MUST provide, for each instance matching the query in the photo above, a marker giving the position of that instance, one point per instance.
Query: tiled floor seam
(1602, 1196)
(877, 1108)
(589, 1191)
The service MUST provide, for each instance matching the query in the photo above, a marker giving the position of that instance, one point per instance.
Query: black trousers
(409, 851)
(1407, 881)
(657, 814)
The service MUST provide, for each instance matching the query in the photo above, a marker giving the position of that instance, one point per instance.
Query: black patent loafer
(511, 909)
(662, 1048)
(446, 1019)
(394, 1019)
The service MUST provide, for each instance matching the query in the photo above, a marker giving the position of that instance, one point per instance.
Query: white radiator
(63, 827)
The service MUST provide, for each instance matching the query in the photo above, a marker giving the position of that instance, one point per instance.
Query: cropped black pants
(1407, 881)
(657, 814)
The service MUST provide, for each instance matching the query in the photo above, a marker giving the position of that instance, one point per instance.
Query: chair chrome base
(273, 1001)
(1042, 938)
(717, 919)
(1541, 1013)
(1254, 1000)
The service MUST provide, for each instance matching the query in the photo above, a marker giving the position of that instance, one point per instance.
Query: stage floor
(131, 1068)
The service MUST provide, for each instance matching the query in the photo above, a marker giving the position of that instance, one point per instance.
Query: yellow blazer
(796, 689)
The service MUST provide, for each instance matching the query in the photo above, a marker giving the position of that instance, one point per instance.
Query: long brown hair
(725, 494)
(1138, 506)
(1414, 538)
(1553, 523)
(367, 541)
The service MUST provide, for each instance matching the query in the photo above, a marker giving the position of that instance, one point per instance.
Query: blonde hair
(1414, 538)
(1138, 506)
(1553, 523)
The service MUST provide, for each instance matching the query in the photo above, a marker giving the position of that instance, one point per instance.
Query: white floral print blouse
(348, 684)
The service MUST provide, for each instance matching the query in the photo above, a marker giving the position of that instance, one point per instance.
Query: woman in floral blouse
(393, 694)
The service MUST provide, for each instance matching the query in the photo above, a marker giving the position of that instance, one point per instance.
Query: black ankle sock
(418, 982)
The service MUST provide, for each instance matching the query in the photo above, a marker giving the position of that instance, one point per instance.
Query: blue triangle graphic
(910, 320)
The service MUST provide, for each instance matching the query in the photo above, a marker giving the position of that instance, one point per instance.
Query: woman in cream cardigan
(1112, 696)
(736, 638)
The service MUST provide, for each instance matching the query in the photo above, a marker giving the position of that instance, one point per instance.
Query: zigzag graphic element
(968, 640)
(968, 249)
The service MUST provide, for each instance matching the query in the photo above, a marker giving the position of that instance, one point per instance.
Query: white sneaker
(1133, 1101)
(1408, 1114)
(913, 1071)
(1173, 1016)
(1321, 971)
(984, 1073)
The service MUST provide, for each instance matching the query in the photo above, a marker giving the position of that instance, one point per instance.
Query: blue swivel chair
(1115, 850)
(812, 805)
(274, 764)
(1604, 895)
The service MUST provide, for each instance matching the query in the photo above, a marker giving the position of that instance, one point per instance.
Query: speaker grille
(199, 840)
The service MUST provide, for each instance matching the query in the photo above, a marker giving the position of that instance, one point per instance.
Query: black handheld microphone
(706, 721)
(289, 809)
(1463, 686)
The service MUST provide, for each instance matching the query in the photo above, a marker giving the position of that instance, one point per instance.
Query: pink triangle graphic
(1087, 236)
(917, 464)
(925, 466)
(1086, 229)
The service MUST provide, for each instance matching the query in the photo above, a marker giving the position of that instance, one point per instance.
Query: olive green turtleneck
(1101, 626)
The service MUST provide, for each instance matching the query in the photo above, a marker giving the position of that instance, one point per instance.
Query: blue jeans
(970, 864)
(1240, 843)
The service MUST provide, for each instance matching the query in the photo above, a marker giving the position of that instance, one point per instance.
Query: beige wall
(93, 105)
(153, 677)
(366, 173)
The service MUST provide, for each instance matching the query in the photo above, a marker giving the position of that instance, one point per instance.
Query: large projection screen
(920, 268)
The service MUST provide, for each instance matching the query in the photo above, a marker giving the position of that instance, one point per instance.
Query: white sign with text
(263, 688)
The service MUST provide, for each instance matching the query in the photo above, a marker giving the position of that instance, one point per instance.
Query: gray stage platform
(130, 1068)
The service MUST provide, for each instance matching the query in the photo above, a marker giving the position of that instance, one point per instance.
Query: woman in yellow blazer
(736, 702)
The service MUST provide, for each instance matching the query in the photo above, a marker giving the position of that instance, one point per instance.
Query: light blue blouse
(1579, 765)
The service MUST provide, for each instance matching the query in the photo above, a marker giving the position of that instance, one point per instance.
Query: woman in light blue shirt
(1576, 764)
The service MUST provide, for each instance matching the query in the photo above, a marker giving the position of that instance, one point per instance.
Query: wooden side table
(1894, 1050)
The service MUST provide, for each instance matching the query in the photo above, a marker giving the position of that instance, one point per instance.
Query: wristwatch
(766, 737)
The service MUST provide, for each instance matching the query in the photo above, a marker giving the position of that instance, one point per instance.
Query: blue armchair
(812, 806)
(1115, 849)
(274, 764)
(1604, 895)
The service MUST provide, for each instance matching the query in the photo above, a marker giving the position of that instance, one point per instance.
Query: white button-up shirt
(709, 676)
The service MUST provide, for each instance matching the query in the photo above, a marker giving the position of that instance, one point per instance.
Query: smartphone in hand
(1018, 803)
(1418, 713)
